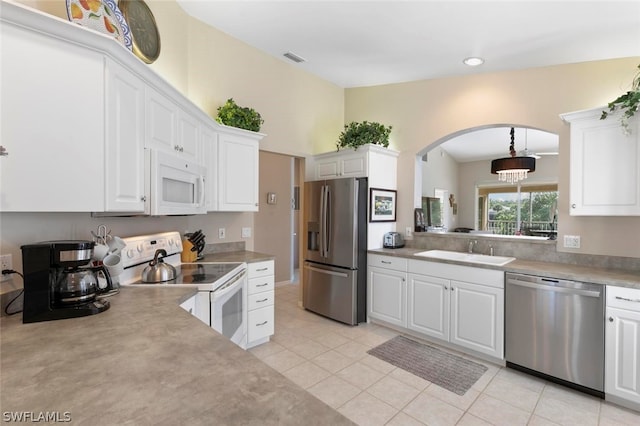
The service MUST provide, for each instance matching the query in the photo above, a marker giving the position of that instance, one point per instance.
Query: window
(531, 211)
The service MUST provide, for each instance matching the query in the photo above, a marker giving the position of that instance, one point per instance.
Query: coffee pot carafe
(79, 285)
(59, 281)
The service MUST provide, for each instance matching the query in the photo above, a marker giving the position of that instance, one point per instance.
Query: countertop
(615, 277)
(145, 361)
(237, 256)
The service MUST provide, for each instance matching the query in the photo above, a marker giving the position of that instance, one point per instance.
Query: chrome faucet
(472, 244)
(490, 250)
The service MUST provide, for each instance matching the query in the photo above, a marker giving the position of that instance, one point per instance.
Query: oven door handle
(229, 286)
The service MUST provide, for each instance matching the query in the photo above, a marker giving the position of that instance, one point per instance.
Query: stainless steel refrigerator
(335, 267)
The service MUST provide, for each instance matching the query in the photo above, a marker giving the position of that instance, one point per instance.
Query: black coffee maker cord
(6, 308)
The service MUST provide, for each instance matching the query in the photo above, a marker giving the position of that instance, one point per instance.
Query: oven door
(229, 309)
(177, 185)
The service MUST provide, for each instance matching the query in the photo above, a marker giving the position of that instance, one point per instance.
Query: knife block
(188, 256)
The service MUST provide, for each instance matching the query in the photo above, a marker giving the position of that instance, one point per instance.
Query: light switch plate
(246, 232)
(222, 233)
(408, 232)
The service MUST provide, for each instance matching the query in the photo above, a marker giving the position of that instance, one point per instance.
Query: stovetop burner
(197, 273)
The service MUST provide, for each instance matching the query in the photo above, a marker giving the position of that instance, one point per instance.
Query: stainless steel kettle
(157, 271)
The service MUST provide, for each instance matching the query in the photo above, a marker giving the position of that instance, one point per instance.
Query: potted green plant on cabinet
(356, 134)
(627, 103)
(231, 114)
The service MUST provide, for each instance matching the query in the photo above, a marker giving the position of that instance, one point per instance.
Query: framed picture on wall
(383, 205)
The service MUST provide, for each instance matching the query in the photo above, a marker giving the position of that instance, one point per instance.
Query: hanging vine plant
(627, 103)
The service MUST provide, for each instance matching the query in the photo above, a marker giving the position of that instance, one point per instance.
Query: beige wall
(273, 223)
(423, 112)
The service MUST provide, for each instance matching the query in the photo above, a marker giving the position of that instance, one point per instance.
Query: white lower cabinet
(477, 318)
(457, 304)
(387, 289)
(622, 347)
(260, 302)
(429, 306)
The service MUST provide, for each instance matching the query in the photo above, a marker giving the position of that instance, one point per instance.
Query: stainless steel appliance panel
(332, 222)
(556, 327)
(331, 292)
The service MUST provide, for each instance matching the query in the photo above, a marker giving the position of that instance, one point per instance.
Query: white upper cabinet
(80, 115)
(604, 165)
(371, 161)
(170, 128)
(124, 160)
(53, 119)
(233, 168)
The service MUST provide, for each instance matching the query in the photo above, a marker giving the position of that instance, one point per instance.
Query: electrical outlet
(408, 232)
(572, 241)
(246, 232)
(6, 262)
(222, 233)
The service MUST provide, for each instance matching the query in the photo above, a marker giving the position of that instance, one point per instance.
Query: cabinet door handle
(262, 285)
(385, 262)
(628, 300)
(573, 206)
(446, 288)
(610, 319)
(261, 269)
(261, 324)
(143, 198)
(260, 301)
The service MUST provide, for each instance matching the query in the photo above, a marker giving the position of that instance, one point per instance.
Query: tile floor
(330, 361)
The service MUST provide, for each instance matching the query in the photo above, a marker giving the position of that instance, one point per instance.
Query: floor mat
(447, 370)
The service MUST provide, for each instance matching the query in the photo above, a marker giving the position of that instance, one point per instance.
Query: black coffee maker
(59, 281)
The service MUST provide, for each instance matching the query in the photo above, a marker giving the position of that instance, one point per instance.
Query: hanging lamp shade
(513, 169)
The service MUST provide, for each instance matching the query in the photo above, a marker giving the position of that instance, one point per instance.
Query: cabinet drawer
(388, 262)
(260, 284)
(623, 298)
(260, 269)
(260, 300)
(260, 323)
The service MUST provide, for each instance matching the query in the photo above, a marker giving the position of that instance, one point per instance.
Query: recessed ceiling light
(473, 61)
(294, 57)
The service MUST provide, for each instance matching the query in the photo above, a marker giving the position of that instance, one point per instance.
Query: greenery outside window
(498, 207)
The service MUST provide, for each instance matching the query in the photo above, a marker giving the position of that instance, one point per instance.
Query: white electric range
(220, 301)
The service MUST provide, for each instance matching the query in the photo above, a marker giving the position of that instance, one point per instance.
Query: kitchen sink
(466, 257)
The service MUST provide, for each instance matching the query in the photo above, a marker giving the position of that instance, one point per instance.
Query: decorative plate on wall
(102, 16)
(144, 31)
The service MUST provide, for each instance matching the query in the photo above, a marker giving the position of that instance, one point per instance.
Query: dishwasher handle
(555, 289)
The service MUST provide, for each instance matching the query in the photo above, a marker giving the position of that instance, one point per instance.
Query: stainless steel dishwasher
(555, 329)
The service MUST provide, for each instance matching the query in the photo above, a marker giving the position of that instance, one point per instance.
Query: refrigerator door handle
(323, 226)
(327, 218)
(324, 271)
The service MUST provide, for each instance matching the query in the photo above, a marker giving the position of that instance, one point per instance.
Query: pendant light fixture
(513, 169)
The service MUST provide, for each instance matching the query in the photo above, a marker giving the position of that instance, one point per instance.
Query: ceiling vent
(295, 58)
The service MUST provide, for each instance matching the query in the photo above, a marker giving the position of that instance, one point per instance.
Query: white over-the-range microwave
(173, 186)
(177, 186)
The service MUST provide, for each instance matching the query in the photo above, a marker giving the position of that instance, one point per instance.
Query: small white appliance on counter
(220, 301)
